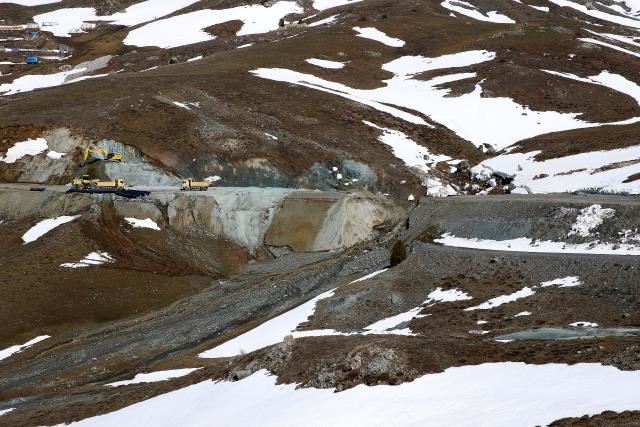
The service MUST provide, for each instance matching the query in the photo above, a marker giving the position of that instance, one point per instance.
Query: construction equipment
(86, 183)
(99, 153)
(190, 185)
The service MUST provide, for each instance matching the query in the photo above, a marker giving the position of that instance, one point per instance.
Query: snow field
(506, 394)
(467, 9)
(188, 28)
(499, 122)
(570, 173)
(525, 244)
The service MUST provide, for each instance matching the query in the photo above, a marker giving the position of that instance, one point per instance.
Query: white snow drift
(379, 36)
(189, 28)
(506, 394)
(328, 4)
(94, 258)
(18, 348)
(143, 223)
(64, 22)
(503, 299)
(467, 9)
(30, 147)
(525, 244)
(44, 226)
(323, 63)
(270, 332)
(153, 377)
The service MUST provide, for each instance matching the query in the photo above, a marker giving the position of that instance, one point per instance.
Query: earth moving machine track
(190, 185)
(99, 154)
(85, 183)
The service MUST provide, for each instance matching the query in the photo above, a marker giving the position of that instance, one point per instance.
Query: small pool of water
(569, 333)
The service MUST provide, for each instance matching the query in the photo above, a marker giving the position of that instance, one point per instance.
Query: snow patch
(503, 299)
(44, 226)
(270, 332)
(525, 244)
(143, 223)
(379, 36)
(154, 377)
(94, 258)
(523, 313)
(565, 282)
(328, 4)
(18, 348)
(188, 28)
(30, 147)
(333, 65)
(467, 9)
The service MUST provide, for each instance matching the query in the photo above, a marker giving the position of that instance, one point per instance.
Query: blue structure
(32, 60)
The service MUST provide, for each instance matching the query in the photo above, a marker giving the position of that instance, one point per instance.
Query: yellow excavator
(99, 153)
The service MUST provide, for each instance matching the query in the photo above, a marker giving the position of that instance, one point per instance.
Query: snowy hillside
(319, 212)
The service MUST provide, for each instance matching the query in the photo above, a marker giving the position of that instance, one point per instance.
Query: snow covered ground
(270, 332)
(323, 63)
(328, 4)
(503, 299)
(30, 2)
(188, 28)
(505, 394)
(143, 223)
(154, 377)
(499, 122)
(379, 36)
(562, 174)
(45, 226)
(18, 348)
(94, 258)
(64, 22)
(468, 9)
(525, 244)
(618, 15)
(564, 282)
(32, 82)
(31, 147)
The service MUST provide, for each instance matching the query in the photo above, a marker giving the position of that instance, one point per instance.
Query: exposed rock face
(329, 222)
(306, 221)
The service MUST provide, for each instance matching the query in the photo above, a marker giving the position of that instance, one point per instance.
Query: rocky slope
(326, 263)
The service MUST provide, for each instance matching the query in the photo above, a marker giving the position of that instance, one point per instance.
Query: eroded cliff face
(303, 221)
(329, 221)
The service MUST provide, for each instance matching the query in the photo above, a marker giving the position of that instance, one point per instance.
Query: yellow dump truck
(190, 185)
(85, 183)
